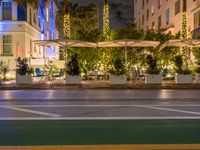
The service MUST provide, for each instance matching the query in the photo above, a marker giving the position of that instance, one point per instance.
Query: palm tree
(185, 50)
(66, 20)
(106, 19)
(184, 20)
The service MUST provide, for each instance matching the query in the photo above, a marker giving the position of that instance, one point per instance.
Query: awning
(128, 43)
(69, 43)
(181, 43)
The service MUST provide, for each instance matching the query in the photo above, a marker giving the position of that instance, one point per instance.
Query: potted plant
(117, 73)
(72, 70)
(23, 72)
(197, 74)
(153, 75)
(183, 74)
(196, 53)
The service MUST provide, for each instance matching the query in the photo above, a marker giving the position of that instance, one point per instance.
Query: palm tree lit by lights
(106, 27)
(66, 20)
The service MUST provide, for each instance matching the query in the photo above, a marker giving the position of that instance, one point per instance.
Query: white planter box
(153, 78)
(114, 79)
(197, 78)
(73, 79)
(183, 78)
(27, 79)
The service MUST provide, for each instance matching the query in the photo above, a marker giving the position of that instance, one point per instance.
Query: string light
(184, 25)
(66, 25)
(66, 21)
(106, 22)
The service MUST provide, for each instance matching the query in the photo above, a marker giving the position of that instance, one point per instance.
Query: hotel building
(167, 15)
(20, 26)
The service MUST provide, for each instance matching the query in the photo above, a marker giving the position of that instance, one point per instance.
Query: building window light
(47, 14)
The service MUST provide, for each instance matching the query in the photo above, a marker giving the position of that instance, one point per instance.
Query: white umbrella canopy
(128, 43)
(181, 43)
(65, 42)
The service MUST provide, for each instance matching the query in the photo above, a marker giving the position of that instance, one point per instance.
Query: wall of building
(155, 10)
(26, 31)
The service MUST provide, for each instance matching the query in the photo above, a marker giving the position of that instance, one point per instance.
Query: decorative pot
(73, 79)
(183, 78)
(153, 78)
(117, 79)
(26, 79)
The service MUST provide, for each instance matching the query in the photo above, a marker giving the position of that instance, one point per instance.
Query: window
(7, 10)
(31, 47)
(177, 7)
(167, 16)
(159, 22)
(152, 10)
(197, 20)
(147, 14)
(153, 25)
(34, 18)
(159, 4)
(47, 14)
(21, 13)
(142, 19)
(7, 44)
(142, 4)
(30, 16)
(184, 5)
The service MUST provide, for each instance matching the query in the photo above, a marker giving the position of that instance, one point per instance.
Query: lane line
(31, 111)
(100, 118)
(159, 105)
(170, 109)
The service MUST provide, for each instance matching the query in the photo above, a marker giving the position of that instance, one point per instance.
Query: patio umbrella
(65, 42)
(181, 43)
(128, 43)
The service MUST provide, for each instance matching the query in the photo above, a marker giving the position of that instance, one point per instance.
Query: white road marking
(101, 118)
(159, 105)
(170, 109)
(31, 111)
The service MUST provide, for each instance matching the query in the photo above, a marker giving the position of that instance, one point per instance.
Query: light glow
(106, 22)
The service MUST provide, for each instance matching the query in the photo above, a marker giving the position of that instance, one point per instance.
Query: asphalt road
(62, 117)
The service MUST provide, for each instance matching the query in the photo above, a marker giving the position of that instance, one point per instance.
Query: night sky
(121, 11)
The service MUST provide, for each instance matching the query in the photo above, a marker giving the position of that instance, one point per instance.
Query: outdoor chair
(38, 74)
(60, 75)
(137, 74)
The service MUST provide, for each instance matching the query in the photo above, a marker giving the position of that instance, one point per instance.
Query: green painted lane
(25, 133)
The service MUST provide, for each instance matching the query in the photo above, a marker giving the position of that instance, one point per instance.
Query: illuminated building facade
(20, 26)
(166, 15)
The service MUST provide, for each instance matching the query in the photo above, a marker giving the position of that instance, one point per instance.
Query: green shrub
(179, 68)
(152, 66)
(22, 67)
(72, 67)
(118, 67)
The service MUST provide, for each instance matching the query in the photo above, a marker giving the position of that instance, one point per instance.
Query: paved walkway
(11, 85)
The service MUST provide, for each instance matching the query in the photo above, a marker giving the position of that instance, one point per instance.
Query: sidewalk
(11, 85)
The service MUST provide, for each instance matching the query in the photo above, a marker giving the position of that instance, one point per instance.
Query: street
(71, 117)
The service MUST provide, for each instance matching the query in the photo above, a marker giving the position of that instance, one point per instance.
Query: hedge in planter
(117, 73)
(23, 72)
(183, 74)
(72, 70)
(153, 75)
